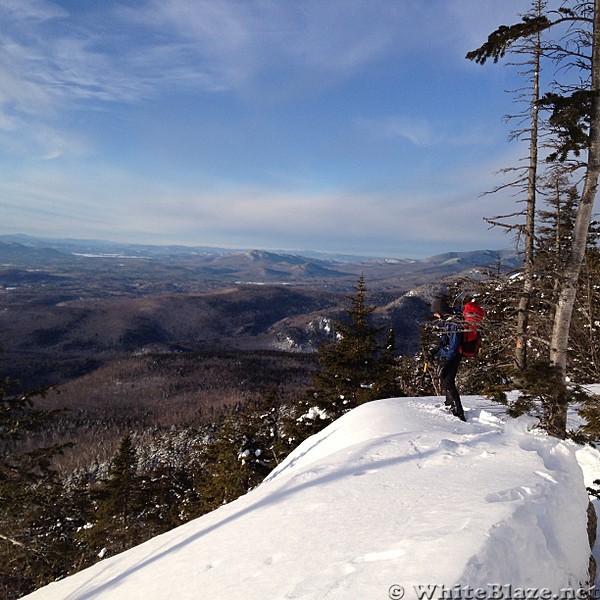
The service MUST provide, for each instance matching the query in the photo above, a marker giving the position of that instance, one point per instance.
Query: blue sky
(335, 125)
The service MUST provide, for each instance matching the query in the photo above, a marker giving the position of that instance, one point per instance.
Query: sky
(336, 126)
(397, 499)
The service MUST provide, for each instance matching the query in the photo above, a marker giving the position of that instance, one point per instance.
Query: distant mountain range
(191, 268)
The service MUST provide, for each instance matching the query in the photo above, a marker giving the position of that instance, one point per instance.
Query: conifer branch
(499, 41)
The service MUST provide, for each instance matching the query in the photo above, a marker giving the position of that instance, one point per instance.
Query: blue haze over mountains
(250, 265)
(71, 307)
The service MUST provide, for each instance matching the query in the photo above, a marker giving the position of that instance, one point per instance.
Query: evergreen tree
(35, 542)
(355, 368)
(224, 476)
(575, 120)
(555, 231)
(262, 444)
(524, 306)
(120, 520)
(553, 237)
(118, 495)
(584, 350)
(247, 447)
(171, 498)
(387, 381)
(553, 243)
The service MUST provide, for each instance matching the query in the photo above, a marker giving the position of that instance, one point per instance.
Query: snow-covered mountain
(397, 499)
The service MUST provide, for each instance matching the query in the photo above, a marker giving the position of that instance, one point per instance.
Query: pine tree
(261, 424)
(120, 520)
(357, 367)
(524, 306)
(119, 492)
(35, 544)
(575, 119)
(247, 447)
(387, 381)
(555, 231)
(553, 239)
(553, 243)
(584, 349)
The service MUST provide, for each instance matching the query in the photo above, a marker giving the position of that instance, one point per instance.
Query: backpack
(470, 342)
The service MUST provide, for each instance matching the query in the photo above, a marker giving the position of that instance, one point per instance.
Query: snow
(397, 499)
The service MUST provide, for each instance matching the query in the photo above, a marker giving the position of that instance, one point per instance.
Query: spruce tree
(222, 478)
(348, 365)
(553, 241)
(262, 446)
(355, 368)
(119, 492)
(121, 502)
(584, 363)
(575, 122)
(35, 542)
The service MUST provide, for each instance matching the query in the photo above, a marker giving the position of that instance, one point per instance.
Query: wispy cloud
(248, 46)
(32, 10)
(414, 129)
(48, 69)
(49, 62)
(423, 132)
(54, 60)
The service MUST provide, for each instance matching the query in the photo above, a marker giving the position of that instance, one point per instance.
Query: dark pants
(448, 382)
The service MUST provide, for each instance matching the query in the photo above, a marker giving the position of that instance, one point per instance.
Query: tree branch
(499, 41)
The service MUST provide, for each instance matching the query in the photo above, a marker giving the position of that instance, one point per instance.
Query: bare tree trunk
(568, 289)
(528, 267)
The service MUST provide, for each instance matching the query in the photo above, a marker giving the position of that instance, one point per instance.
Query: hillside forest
(110, 439)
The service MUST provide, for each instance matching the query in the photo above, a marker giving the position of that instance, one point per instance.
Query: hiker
(447, 353)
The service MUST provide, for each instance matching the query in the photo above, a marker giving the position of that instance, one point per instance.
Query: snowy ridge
(396, 497)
